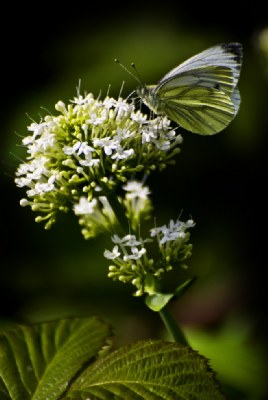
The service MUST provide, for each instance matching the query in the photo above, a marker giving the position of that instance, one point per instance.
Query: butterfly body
(200, 94)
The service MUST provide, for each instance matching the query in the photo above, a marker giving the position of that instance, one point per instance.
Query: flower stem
(119, 212)
(172, 327)
(169, 322)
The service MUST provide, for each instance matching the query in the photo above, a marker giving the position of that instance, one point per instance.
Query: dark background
(220, 181)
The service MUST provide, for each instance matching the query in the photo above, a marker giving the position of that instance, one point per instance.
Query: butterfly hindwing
(200, 101)
(200, 110)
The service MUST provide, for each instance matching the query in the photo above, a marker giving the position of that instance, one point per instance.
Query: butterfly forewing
(225, 55)
(236, 100)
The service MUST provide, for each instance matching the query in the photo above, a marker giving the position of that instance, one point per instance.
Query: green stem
(172, 327)
(169, 322)
(119, 212)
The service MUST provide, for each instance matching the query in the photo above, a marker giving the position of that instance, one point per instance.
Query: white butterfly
(200, 94)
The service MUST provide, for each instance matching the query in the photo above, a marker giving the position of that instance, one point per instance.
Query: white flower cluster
(97, 216)
(90, 144)
(137, 203)
(172, 232)
(130, 256)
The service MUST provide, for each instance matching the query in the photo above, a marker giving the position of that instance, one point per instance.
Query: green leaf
(180, 290)
(158, 300)
(149, 370)
(38, 362)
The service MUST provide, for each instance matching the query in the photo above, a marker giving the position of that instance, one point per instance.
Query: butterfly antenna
(135, 76)
(138, 77)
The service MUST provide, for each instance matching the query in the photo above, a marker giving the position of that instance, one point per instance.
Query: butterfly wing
(202, 101)
(200, 94)
(225, 55)
(200, 110)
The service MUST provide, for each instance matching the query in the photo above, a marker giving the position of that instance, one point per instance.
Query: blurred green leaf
(239, 361)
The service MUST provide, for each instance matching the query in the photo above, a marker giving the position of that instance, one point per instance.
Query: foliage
(66, 359)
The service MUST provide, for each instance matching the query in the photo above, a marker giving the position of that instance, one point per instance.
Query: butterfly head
(144, 92)
(148, 97)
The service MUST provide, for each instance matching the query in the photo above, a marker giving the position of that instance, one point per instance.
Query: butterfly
(200, 94)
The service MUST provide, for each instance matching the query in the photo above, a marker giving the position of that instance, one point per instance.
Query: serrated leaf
(149, 370)
(38, 362)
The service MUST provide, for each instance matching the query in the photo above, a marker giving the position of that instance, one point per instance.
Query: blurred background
(218, 181)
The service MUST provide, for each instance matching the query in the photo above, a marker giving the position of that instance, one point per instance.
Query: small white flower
(80, 100)
(70, 150)
(116, 239)
(128, 240)
(96, 119)
(123, 108)
(122, 134)
(155, 231)
(89, 162)
(136, 254)
(85, 149)
(190, 223)
(169, 235)
(136, 189)
(121, 154)
(37, 130)
(111, 255)
(107, 144)
(139, 117)
(148, 135)
(173, 231)
(109, 102)
(84, 206)
(41, 187)
(78, 148)
(163, 145)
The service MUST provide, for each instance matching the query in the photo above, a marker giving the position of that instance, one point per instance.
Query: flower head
(172, 240)
(131, 255)
(90, 144)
